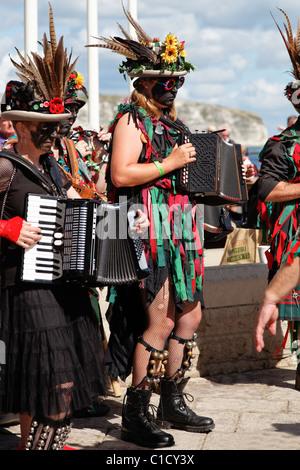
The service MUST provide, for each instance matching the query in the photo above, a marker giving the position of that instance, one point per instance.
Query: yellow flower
(170, 55)
(171, 40)
(79, 79)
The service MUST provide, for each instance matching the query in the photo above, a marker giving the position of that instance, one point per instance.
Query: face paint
(64, 127)
(44, 134)
(163, 96)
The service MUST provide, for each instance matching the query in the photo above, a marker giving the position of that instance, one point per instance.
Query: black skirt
(54, 357)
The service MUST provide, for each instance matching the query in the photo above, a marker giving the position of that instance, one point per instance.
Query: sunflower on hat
(146, 56)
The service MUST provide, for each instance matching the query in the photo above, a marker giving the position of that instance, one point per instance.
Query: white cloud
(235, 44)
(260, 94)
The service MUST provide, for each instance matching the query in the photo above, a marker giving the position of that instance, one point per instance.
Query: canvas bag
(241, 246)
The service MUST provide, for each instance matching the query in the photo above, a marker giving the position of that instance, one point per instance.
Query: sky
(241, 59)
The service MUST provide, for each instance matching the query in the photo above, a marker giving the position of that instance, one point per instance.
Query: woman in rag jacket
(144, 156)
(50, 331)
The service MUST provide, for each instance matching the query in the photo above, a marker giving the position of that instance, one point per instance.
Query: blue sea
(253, 153)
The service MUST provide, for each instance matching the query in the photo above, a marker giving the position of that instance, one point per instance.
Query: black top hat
(42, 90)
(19, 103)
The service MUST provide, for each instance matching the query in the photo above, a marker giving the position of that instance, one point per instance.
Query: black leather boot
(138, 425)
(173, 412)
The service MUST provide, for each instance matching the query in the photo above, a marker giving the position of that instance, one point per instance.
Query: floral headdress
(292, 90)
(46, 78)
(148, 57)
(74, 86)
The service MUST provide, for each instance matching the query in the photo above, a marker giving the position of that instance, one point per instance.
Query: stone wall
(232, 296)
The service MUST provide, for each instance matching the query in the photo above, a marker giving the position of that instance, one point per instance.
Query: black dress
(50, 332)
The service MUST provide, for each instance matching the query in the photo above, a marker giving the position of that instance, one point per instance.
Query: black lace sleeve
(6, 171)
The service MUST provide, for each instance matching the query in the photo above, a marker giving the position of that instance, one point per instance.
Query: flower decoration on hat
(292, 44)
(146, 56)
(48, 76)
(75, 85)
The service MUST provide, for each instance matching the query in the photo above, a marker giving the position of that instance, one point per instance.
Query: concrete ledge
(240, 284)
(232, 295)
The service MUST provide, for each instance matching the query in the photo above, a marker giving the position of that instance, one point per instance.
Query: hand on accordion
(248, 170)
(20, 232)
(141, 223)
(182, 155)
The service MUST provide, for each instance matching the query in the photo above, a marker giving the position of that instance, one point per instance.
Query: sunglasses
(171, 83)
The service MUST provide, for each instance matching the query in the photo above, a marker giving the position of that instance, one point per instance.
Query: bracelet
(160, 168)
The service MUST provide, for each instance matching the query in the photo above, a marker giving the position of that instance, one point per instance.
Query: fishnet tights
(161, 321)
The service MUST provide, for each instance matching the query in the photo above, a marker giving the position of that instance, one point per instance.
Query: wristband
(159, 167)
(11, 228)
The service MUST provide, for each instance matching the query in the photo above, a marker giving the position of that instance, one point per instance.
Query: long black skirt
(54, 357)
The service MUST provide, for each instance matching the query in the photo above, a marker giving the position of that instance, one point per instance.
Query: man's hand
(267, 315)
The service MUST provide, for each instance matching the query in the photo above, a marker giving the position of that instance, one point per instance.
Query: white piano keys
(40, 262)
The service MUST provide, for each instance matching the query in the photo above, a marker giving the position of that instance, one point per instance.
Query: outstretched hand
(267, 316)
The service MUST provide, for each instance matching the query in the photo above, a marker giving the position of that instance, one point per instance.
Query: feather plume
(138, 49)
(292, 44)
(48, 75)
(52, 30)
(130, 48)
(127, 36)
(142, 36)
(115, 46)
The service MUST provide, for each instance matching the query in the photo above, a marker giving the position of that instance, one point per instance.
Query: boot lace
(149, 416)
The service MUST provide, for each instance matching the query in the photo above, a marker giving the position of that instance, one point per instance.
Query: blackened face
(43, 135)
(162, 96)
(64, 127)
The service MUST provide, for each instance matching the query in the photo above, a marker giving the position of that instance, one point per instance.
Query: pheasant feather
(292, 44)
(142, 36)
(48, 75)
(115, 46)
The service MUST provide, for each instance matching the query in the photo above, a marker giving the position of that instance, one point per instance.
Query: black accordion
(83, 240)
(216, 176)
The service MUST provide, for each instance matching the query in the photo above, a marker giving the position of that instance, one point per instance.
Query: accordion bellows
(84, 241)
(216, 175)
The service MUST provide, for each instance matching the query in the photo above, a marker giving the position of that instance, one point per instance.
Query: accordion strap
(29, 166)
(177, 125)
(72, 159)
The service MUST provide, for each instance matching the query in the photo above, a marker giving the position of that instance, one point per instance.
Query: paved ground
(257, 410)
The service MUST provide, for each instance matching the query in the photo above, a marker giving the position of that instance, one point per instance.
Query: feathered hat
(147, 57)
(42, 90)
(292, 90)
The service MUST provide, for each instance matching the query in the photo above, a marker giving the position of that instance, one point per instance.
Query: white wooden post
(30, 26)
(132, 8)
(93, 65)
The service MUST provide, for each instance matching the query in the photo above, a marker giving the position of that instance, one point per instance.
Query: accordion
(83, 240)
(216, 175)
